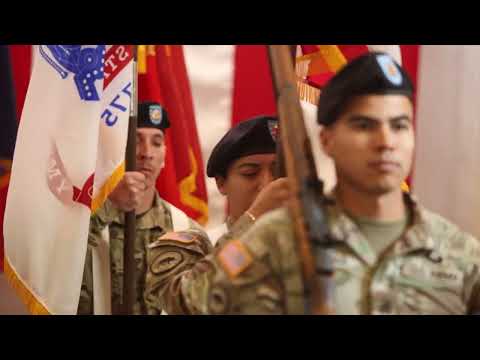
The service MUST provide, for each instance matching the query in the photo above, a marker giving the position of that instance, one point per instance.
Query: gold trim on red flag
(142, 52)
(142, 59)
(328, 58)
(188, 186)
(332, 56)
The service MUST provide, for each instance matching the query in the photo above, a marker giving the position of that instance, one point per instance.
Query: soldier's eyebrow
(401, 117)
(248, 165)
(358, 118)
(158, 136)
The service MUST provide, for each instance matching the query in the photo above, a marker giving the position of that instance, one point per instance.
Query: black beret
(254, 136)
(152, 115)
(374, 73)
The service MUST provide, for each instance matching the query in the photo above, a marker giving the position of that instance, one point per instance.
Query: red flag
(21, 68)
(15, 63)
(253, 92)
(163, 78)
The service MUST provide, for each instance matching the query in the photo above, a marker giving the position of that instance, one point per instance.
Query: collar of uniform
(157, 216)
(342, 228)
(418, 236)
(243, 221)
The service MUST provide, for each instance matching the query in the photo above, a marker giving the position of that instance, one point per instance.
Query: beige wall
(447, 169)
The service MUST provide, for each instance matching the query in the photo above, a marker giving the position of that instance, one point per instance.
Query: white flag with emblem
(74, 125)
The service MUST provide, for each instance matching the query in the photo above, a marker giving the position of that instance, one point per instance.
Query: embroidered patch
(182, 236)
(165, 262)
(273, 128)
(389, 69)
(155, 113)
(234, 258)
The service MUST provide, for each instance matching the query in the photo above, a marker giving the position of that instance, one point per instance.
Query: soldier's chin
(383, 188)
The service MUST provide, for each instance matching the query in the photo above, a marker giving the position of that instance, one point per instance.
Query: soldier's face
(150, 153)
(246, 177)
(372, 143)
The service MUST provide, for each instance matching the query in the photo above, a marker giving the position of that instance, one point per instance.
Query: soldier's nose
(267, 178)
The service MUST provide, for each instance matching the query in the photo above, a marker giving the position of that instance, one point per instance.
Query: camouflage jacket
(432, 269)
(149, 227)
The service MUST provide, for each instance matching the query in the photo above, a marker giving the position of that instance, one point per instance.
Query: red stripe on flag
(353, 51)
(252, 83)
(116, 58)
(309, 49)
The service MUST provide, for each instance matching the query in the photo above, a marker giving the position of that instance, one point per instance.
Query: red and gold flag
(163, 78)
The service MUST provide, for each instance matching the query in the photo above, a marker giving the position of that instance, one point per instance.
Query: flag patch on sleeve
(234, 258)
(183, 237)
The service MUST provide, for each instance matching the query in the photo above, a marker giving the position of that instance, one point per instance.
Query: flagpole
(129, 278)
(280, 170)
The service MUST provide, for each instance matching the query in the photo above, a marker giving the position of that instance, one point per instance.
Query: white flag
(78, 99)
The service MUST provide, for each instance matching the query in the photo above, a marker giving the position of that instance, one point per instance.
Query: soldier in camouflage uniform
(243, 163)
(390, 255)
(155, 216)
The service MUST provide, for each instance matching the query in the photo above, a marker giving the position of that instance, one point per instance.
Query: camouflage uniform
(432, 269)
(150, 226)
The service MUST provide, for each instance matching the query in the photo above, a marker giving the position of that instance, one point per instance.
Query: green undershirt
(381, 234)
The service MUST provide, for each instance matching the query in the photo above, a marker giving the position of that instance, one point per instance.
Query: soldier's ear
(164, 155)
(326, 139)
(220, 180)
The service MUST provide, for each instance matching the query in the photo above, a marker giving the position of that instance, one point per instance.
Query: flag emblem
(235, 258)
(86, 63)
(183, 237)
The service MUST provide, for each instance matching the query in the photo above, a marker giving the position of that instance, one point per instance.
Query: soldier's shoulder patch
(234, 257)
(180, 236)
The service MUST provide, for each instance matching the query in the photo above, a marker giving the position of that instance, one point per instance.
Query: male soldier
(136, 191)
(243, 164)
(390, 255)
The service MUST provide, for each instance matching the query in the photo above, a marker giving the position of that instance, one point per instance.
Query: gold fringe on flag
(306, 92)
(34, 306)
